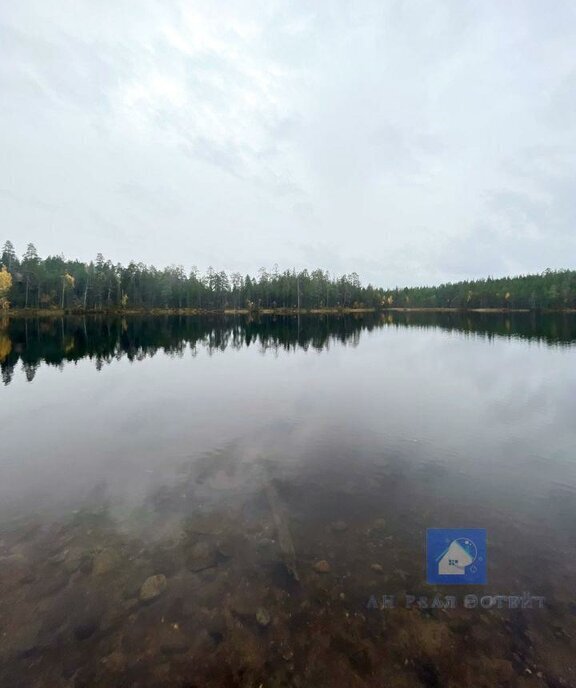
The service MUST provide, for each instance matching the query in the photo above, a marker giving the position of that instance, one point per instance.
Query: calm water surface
(227, 457)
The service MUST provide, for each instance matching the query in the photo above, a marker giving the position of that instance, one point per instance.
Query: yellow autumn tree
(5, 286)
(67, 281)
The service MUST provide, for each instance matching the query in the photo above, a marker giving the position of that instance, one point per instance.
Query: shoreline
(122, 312)
(425, 309)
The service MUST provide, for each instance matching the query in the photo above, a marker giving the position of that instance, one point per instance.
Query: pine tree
(9, 258)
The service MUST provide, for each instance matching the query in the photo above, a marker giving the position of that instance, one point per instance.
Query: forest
(55, 282)
(552, 289)
(51, 283)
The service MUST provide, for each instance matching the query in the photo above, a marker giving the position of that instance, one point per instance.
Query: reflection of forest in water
(71, 338)
(226, 522)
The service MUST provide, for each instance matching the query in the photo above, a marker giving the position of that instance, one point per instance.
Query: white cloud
(410, 142)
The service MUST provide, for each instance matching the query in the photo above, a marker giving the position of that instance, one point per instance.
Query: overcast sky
(413, 142)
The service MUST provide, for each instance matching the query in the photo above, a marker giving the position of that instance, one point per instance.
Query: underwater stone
(153, 587)
(263, 616)
(322, 566)
(202, 556)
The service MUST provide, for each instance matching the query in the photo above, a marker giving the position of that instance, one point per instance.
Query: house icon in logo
(456, 556)
(460, 554)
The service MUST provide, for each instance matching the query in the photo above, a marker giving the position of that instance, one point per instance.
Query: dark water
(228, 457)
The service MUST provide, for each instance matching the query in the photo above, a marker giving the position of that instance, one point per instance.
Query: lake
(235, 501)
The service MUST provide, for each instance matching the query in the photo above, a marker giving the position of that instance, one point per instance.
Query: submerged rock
(59, 557)
(206, 524)
(74, 559)
(267, 549)
(86, 628)
(202, 556)
(222, 481)
(104, 562)
(263, 616)
(51, 584)
(25, 642)
(322, 566)
(244, 604)
(116, 661)
(172, 640)
(86, 564)
(226, 546)
(339, 526)
(377, 568)
(16, 567)
(153, 587)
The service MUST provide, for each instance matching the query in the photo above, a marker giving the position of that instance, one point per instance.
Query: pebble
(377, 568)
(153, 587)
(322, 566)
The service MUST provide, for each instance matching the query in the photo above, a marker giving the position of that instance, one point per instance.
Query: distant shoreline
(424, 309)
(56, 312)
(121, 312)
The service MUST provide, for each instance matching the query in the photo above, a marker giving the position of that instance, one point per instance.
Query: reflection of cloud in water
(235, 476)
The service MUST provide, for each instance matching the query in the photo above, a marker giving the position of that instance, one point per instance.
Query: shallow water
(229, 456)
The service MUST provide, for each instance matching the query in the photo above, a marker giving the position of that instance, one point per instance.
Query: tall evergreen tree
(9, 258)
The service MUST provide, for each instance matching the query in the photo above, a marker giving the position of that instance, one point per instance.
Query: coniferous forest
(32, 282)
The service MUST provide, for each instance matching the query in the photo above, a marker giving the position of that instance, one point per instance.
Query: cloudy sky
(411, 141)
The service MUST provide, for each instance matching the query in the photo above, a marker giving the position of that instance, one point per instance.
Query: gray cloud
(411, 142)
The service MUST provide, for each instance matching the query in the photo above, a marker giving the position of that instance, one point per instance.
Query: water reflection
(223, 520)
(58, 341)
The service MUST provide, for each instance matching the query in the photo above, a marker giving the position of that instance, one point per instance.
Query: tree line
(100, 285)
(552, 289)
